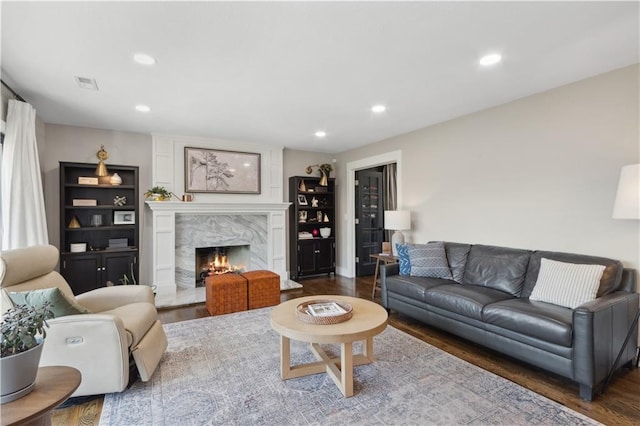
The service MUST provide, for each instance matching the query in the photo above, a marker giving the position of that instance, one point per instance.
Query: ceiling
(276, 73)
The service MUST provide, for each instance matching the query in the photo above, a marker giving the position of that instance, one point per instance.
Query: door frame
(352, 167)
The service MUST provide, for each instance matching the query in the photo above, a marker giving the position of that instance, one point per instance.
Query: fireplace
(176, 229)
(218, 230)
(218, 260)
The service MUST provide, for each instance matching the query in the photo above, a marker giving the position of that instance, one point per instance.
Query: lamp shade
(627, 204)
(397, 220)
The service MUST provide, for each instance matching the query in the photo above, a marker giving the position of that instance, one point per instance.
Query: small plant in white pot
(23, 333)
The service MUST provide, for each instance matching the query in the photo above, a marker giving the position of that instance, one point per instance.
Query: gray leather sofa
(487, 302)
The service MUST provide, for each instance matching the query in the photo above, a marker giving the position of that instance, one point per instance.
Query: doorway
(375, 192)
(346, 265)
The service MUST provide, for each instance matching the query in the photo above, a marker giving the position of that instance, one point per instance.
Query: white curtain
(23, 216)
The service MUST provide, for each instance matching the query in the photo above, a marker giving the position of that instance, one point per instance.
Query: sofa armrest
(107, 298)
(387, 270)
(83, 342)
(629, 280)
(599, 330)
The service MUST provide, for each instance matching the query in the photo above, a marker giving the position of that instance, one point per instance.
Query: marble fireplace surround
(179, 227)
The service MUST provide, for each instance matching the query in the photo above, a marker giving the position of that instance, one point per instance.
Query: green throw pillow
(60, 304)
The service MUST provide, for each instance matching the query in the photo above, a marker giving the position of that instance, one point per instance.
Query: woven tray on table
(303, 314)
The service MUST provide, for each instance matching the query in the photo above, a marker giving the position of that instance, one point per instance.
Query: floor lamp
(627, 206)
(397, 220)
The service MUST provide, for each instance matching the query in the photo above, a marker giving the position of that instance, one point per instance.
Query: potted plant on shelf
(158, 193)
(23, 333)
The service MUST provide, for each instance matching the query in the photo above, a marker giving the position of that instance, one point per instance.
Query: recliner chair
(123, 323)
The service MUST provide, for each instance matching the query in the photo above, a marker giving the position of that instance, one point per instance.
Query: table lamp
(626, 206)
(397, 220)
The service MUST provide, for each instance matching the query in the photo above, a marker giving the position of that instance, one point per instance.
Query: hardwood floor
(620, 405)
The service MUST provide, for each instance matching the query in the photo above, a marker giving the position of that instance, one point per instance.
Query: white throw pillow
(566, 284)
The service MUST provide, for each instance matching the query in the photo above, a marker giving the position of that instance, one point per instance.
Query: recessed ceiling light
(144, 59)
(142, 108)
(490, 59)
(378, 108)
(321, 134)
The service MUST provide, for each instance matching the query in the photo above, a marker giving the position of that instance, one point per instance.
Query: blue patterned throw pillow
(403, 259)
(429, 260)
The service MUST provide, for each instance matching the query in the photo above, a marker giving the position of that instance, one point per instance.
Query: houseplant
(23, 333)
(158, 193)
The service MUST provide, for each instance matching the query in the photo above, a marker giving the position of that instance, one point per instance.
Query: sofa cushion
(61, 305)
(457, 254)
(413, 287)
(429, 260)
(566, 284)
(499, 268)
(403, 259)
(467, 300)
(608, 282)
(551, 323)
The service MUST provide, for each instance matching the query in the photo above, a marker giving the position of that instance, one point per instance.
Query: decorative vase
(302, 186)
(19, 373)
(324, 178)
(116, 179)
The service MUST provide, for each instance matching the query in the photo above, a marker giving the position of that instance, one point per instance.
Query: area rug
(224, 370)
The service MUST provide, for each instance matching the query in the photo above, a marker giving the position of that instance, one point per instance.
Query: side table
(53, 386)
(385, 258)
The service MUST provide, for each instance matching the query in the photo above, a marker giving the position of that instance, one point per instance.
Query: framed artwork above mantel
(219, 171)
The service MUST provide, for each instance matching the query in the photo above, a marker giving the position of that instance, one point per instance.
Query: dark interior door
(370, 221)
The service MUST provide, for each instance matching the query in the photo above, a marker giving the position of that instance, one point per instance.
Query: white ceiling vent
(87, 83)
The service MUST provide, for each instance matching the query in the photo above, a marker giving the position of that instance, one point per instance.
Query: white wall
(168, 171)
(537, 173)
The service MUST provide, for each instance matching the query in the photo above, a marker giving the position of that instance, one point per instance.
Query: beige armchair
(123, 323)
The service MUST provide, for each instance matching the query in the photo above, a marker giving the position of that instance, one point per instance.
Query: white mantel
(163, 229)
(201, 207)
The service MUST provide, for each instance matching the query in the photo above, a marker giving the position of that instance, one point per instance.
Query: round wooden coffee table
(369, 319)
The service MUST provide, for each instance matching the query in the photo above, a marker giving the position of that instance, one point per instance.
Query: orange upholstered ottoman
(263, 288)
(226, 293)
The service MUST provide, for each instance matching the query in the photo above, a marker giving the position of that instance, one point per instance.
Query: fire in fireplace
(220, 260)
